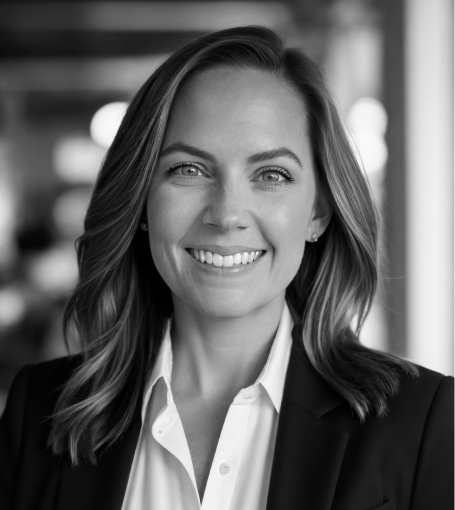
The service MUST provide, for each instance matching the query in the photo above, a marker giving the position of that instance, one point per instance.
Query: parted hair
(121, 304)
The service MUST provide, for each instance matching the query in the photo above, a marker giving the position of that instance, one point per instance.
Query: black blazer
(324, 458)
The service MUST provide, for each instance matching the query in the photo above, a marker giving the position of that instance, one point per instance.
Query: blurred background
(67, 70)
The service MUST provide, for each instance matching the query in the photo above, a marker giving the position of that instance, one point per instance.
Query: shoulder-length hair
(121, 304)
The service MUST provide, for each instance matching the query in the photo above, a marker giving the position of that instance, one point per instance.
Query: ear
(321, 215)
(143, 222)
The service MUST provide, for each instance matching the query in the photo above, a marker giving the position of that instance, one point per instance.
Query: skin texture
(224, 322)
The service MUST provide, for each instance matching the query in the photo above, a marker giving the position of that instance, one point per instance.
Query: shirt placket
(228, 456)
(169, 433)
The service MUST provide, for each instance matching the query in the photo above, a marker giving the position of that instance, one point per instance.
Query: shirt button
(224, 469)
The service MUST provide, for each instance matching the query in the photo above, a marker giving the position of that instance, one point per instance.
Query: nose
(227, 208)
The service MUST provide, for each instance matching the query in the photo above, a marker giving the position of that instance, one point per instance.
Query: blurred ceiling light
(143, 16)
(105, 123)
(8, 214)
(371, 151)
(55, 271)
(77, 159)
(367, 120)
(368, 114)
(12, 307)
(69, 212)
(123, 75)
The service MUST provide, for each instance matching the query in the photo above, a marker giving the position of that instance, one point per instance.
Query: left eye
(273, 176)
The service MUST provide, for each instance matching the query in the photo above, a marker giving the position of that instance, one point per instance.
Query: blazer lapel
(100, 487)
(308, 451)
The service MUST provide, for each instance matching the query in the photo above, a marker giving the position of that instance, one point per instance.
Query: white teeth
(217, 260)
(228, 261)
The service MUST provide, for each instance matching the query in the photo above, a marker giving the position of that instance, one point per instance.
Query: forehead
(238, 104)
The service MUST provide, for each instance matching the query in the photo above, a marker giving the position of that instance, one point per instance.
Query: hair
(121, 304)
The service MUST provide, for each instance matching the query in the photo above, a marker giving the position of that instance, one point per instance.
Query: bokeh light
(367, 122)
(12, 306)
(106, 121)
(371, 150)
(77, 159)
(368, 114)
(55, 272)
(69, 212)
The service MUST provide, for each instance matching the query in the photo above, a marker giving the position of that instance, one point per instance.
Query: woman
(229, 245)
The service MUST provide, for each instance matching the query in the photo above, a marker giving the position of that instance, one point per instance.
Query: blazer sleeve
(11, 426)
(433, 483)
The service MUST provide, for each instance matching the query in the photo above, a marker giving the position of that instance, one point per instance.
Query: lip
(224, 251)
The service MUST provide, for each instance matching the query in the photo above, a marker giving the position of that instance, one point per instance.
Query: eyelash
(181, 165)
(278, 170)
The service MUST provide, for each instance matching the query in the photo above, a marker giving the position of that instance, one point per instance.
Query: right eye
(186, 170)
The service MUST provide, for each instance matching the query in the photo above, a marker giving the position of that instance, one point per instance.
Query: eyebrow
(255, 158)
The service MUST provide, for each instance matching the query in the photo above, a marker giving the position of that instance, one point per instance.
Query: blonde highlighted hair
(121, 304)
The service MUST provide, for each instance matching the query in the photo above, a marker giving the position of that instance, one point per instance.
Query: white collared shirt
(162, 475)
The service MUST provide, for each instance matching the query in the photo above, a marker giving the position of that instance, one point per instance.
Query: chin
(223, 306)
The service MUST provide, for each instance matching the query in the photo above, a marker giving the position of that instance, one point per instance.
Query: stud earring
(144, 226)
(314, 237)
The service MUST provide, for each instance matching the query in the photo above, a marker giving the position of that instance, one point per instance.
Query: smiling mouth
(237, 259)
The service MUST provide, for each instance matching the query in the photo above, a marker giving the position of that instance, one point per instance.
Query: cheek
(166, 218)
(163, 230)
(170, 219)
(287, 227)
(289, 223)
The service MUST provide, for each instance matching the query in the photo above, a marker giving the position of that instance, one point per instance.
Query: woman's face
(235, 177)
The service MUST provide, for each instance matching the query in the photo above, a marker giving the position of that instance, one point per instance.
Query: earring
(144, 226)
(314, 237)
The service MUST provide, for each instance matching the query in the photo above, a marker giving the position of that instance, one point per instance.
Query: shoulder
(422, 407)
(409, 451)
(427, 404)
(55, 370)
(39, 382)
(419, 398)
(428, 380)
(58, 369)
(25, 420)
(33, 394)
(429, 392)
(422, 419)
(418, 425)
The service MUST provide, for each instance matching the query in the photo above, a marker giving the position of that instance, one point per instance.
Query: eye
(186, 170)
(274, 175)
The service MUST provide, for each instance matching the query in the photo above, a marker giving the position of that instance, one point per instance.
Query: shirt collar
(161, 368)
(272, 376)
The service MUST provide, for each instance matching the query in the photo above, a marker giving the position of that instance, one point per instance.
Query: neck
(217, 356)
